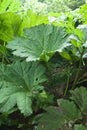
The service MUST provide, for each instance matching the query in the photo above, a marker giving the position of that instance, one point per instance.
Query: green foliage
(10, 6)
(53, 119)
(67, 114)
(32, 19)
(60, 5)
(9, 26)
(19, 87)
(80, 127)
(82, 13)
(59, 117)
(46, 42)
(57, 6)
(27, 89)
(79, 95)
(67, 106)
(12, 24)
(36, 6)
(75, 3)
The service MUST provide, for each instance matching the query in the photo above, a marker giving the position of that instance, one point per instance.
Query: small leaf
(65, 55)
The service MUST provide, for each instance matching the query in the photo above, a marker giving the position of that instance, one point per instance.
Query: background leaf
(10, 5)
(30, 19)
(9, 26)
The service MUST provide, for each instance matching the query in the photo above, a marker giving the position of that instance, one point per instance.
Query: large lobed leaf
(59, 117)
(41, 42)
(20, 81)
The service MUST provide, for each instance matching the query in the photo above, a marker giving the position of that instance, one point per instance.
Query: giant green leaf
(21, 81)
(79, 95)
(58, 117)
(41, 42)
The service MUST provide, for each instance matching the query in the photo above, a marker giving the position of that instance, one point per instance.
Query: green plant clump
(43, 69)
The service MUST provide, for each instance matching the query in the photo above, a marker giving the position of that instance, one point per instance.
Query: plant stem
(84, 80)
(77, 74)
(67, 84)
